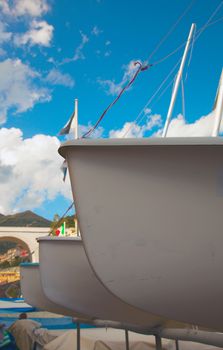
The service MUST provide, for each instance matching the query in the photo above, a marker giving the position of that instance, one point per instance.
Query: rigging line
(195, 37)
(154, 51)
(150, 99)
(140, 69)
(166, 88)
(54, 226)
(164, 91)
(159, 97)
(171, 30)
(199, 32)
(210, 18)
(216, 21)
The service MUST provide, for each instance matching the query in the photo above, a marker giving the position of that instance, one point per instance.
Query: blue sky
(54, 51)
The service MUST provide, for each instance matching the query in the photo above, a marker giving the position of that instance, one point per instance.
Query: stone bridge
(26, 236)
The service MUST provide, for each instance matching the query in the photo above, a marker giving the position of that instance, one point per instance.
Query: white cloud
(201, 127)
(110, 86)
(2, 52)
(78, 54)
(132, 129)
(33, 8)
(98, 132)
(178, 127)
(107, 53)
(40, 33)
(4, 35)
(107, 43)
(113, 88)
(96, 31)
(29, 171)
(147, 111)
(55, 77)
(18, 88)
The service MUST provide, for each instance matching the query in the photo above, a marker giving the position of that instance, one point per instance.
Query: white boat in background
(68, 280)
(150, 215)
(33, 293)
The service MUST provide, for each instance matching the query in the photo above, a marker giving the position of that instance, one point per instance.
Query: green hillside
(24, 219)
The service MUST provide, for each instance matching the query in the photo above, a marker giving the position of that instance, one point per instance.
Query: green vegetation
(24, 219)
(57, 222)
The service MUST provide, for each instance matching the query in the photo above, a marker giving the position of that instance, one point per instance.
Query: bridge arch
(17, 241)
(26, 236)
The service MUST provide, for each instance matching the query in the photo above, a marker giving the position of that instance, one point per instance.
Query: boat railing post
(126, 339)
(158, 342)
(218, 110)
(177, 82)
(78, 336)
(177, 344)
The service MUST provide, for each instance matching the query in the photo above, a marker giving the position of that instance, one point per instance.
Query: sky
(52, 52)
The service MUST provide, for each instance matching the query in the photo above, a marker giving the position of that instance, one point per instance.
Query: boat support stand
(78, 336)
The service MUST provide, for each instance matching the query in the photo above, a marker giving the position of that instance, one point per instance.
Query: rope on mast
(140, 69)
(195, 38)
(141, 114)
(61, 218)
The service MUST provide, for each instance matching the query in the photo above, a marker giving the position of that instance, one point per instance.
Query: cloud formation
(133, 130)
(55, 77)
(113, 88)
(78, 53)
(178, 127)
(19, 89)
(40, 33)
(4, 34)
(201, 127)
(29, 171)
(33, 8)
(96, 31)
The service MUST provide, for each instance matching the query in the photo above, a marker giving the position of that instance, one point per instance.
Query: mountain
(24, 219)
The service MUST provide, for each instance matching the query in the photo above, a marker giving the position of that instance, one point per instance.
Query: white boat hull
(68, 279)
(33, 293)
(150, 213)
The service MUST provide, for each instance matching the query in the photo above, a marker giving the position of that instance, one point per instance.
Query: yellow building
(9, 276)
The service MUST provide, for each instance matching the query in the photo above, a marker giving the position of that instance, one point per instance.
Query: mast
(177, 82)
(218, 107)
(76, 137)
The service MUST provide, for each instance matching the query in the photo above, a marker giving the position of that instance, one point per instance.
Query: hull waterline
(150, 213)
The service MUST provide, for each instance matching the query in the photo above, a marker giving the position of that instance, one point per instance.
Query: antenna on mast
(177, 82)
(218, 107)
